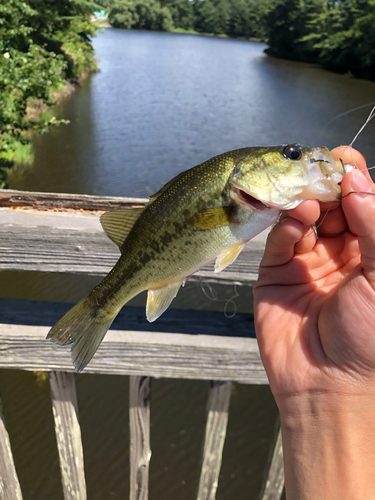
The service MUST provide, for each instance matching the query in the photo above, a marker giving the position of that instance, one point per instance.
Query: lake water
(161, 104)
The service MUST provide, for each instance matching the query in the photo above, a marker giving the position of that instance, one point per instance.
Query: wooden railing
(62, 233)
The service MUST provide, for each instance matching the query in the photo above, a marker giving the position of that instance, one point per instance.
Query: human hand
(314, 306)
(315, 298)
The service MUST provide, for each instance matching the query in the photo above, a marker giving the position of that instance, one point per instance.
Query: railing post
(139, 422)
(216, 428)
(68, 434)
(273, 482)
(9, 485)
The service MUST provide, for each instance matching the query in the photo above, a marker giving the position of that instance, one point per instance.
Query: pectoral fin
(159, 300)
(118, 223)
(227, 256)
(212, 217)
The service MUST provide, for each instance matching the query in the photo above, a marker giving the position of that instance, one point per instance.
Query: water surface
(163, 103)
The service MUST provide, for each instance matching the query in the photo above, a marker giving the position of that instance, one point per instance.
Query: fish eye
(293, 152)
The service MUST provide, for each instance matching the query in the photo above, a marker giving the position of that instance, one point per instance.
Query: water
(163, 103)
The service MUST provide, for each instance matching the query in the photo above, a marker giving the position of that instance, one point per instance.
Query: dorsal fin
(118, 223)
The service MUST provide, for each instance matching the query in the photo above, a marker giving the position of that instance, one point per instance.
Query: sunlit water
(161, 104)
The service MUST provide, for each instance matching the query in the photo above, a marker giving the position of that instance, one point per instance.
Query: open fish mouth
(245, 199)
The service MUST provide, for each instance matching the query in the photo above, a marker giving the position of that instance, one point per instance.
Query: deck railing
(61, 233)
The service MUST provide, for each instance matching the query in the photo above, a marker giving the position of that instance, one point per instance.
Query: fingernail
(359, 182)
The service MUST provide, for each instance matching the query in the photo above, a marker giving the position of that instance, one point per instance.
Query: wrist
(329, 446)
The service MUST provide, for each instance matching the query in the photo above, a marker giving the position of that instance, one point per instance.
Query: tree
(41, 45)
(204, 13)
(284, 28)
(182, 13)
(122, 14)
(221, 17)
(342, 35)
(140, 14)
(240, 25)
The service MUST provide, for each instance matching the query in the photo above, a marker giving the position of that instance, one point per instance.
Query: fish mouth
(331, 169)
(245, 199)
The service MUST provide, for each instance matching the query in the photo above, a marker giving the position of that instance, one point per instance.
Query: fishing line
(370, 117)
(358, 192)
(350, 111)
(212, 295)
(316, 227)
(231, 301)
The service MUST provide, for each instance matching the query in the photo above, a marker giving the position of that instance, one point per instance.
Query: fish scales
(204, 214)
(159, 236)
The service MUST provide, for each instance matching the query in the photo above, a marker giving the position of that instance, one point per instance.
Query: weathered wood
(154, 353)
(62, 202)
(75, 243)
(273, 482)
(216, 427)
(139, 353)
(68, 434)
(61, 233)
(9, 485)
(139, 424)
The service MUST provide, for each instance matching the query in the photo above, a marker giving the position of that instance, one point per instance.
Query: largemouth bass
(205, 214)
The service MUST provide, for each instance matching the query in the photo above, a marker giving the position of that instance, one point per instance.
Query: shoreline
(23, 153)
(180, 31)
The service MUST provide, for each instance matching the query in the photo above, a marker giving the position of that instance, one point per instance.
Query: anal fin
(159, 300)
(227, 256)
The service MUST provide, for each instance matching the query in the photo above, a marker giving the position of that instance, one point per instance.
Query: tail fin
(84, 326)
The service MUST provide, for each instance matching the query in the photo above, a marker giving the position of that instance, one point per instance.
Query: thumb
(358, 204)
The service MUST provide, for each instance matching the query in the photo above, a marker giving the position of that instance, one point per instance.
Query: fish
(205, 214)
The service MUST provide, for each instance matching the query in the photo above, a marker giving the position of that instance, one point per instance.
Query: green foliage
(204, 16)
(339, 34)
(140, 14)
(182, 13)
(204, 11)
(42, 44)
(122, 14)
(285, 26)
(342, 36)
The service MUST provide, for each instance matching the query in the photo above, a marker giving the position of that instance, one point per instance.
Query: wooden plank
(216, 427)
(183, 352)
(75, 243)
(9, 485)
(139, 424)
(68, 434)
(61, 201)
(170, 355)
(273, 483)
